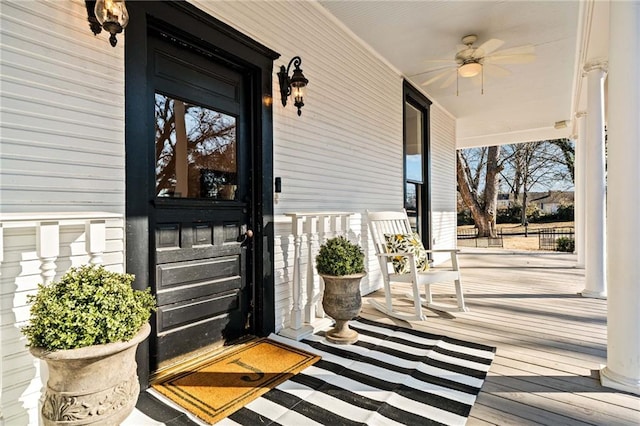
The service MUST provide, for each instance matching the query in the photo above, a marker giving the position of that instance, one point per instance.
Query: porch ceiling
(522, 106)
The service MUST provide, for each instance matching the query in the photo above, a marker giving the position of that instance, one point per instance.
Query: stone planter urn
(342, 301)
(95, 385)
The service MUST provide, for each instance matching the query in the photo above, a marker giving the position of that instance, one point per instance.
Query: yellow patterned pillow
(406, 243)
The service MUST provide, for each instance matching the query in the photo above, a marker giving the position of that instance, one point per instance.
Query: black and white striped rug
(391, 376)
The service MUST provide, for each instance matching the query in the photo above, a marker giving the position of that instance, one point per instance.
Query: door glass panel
(195, 151)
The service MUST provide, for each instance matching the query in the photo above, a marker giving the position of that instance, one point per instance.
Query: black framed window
(417, 161)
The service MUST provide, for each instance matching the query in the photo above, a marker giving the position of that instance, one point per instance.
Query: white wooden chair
(381, 223)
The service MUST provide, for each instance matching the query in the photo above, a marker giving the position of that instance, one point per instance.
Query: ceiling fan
(470, 61)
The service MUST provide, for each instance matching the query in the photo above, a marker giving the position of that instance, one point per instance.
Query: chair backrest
(380, 223)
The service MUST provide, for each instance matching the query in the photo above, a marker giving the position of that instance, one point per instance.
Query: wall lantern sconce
(111, 15)
(293, 85)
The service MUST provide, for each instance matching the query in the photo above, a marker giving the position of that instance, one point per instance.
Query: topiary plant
(88, 306)
(338, 256)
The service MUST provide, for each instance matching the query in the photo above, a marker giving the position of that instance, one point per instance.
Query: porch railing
(47, 229)
(309, 231)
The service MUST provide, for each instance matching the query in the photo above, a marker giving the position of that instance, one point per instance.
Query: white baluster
(344, 225)
(323, 237)
(312, 294)
(296, 312)
(95, 240)
(296, 330)
(48, 249)
(322, 229)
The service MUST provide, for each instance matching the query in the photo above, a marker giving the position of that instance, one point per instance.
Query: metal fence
(469, 238)
(466, 234)
(548, 238)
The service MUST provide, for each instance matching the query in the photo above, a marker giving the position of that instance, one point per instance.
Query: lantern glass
(112, 12)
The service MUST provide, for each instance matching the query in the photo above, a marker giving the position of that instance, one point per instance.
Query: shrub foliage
(565, 244)
(338, 256)
(88, 306)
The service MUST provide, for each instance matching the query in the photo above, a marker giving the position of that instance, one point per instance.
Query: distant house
(504, 200)
(547, 202)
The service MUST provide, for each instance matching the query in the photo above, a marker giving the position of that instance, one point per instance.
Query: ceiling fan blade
(510, 59)
(436, 77)
(439, 61)
(436, 65)
(449, 81)
(431, 70)
(526, 49)
(488, 47)
(492, 70)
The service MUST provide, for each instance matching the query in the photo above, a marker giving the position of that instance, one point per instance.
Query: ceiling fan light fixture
(470, 69)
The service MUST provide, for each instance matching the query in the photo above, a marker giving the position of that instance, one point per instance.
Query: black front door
(199, 169)
(202, 203)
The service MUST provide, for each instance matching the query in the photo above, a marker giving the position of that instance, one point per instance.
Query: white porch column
(595, 272)
(580, 185)
(623, 241)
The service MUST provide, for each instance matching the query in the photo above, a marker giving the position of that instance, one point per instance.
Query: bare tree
(568, 154)
(536, 164)
(483, 205)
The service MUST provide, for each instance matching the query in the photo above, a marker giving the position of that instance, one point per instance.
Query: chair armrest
(452, 252)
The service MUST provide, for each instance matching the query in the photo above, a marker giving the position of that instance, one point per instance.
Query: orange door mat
(221, 386)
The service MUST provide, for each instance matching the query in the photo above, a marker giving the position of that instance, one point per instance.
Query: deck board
(550, 341)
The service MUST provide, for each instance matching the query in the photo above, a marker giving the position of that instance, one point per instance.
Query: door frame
(227, 44)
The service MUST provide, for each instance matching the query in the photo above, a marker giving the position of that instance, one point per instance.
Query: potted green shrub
(86, 327)
(340, 263)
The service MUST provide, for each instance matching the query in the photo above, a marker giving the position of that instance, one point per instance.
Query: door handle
(246, 237)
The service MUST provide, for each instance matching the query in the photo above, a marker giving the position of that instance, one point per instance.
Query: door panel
(201, 206)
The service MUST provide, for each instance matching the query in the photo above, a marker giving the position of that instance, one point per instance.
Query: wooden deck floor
(550, 341)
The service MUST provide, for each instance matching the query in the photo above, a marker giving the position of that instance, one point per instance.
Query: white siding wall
(61, 150)
(62, 110)
(345, 151)
(62, 146)
(443, 180)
